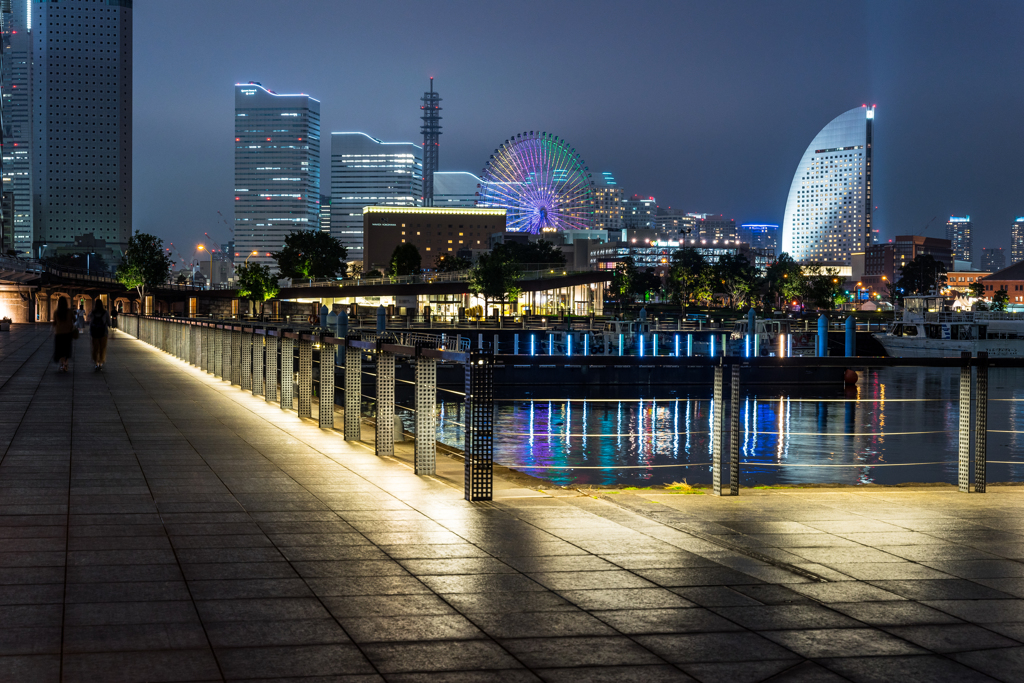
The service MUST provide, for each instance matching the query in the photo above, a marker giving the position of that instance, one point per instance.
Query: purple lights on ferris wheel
(541, 182)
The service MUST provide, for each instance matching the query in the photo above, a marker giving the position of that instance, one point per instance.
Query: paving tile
(469, 655)
(410, 628)
(884, 669)
(697, 576)
(295, 660)
(685, 648)
(946, 638)
(508, 602)
(650, 621)
(539, 624)
(118, 667)
(135, 637)
(771, 617)
(993, 611)
(541, 653)
(949, 589)
(30, 668)
(841, 642)
(715, 596)
(740, 672)
(387, 606)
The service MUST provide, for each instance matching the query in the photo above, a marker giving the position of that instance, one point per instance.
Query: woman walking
(63, 333)
(99, 325)
(80, 318)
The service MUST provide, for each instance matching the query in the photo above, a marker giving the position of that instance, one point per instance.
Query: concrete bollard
(851, 337)
(822, 336)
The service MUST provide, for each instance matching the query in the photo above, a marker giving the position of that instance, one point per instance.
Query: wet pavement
(157, 524)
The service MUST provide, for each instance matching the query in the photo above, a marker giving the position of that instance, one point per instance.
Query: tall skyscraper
(16, 85)
(277, 170)
(431, 130)
(1017, 241)
(992, 259)
(608, 204)
(368, 172)
(958, 232)
(455, 189)
(828, 211)
(81, 167)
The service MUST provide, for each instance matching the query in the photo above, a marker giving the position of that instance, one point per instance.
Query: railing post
(236, 355)
(981, 424)
(326, 384)
(717, 415)
(305, 376)
(218, 351)
(964, 470)
(271, 366)
(205, 331)
(424, 460)
(353, 393)
(193, 344)
(246, 351)
(734, 433)
(384, 441)
(258, 346)
(479, 448)
(287, 371)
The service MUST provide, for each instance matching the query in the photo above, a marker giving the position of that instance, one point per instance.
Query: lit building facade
(277, 170)
(676, 221)
(608, 205)
(958, 232)
(1017, 241)
(712, 227)
(433, 230)
(16, 85)
(761, 236)
(81, 122)
(639, 213)
(454, 189)
(828, 211)
(365, 172)
(884, 262)
(992, 259)
(325, 213)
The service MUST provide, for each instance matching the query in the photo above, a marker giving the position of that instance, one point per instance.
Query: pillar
(271, 367)
(287, 372)
(258, 346)
(964, 469)
(326, 384)
(384, 443)
(353, 393)
(218, 351)
(424, 461)
(479, 448)
(981, 424)
(851, 337)
(246, 357)
(236, 356)
(305, 378)
(734, 433)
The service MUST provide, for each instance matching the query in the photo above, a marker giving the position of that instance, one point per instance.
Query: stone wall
(17, 303)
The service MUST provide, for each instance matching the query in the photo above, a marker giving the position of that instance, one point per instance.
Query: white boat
(929, 328)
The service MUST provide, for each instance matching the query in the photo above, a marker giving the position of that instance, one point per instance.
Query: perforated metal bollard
(964, 470)
(218, 352)
(384, 441)
(425, 458)
(287, 371)
(353, 391)
(305, 377)
(326, 417)
(271, 371)
(258, 350)
(236, 355)
(717, 421)
(734, 433)
(981, 424)
(246, 378)
(225, 354)
(479, 448)
(204, 333)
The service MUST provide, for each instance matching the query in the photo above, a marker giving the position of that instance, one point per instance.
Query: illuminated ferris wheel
(542, 184)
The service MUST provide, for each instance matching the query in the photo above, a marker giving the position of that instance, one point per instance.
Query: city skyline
(720, 134)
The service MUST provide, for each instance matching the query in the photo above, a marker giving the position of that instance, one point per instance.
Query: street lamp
(254, 252)
(202, 247)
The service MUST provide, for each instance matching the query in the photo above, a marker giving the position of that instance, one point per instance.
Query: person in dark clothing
(99, 326)
(63, 331)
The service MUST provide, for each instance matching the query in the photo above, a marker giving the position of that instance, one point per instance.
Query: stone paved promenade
(159, 525)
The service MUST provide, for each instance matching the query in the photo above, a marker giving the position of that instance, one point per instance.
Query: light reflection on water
(786, 438)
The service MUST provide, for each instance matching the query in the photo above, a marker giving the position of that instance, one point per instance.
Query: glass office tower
(277, 170)
(16, 85)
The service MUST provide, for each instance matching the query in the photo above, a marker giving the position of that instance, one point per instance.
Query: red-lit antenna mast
(431, 129)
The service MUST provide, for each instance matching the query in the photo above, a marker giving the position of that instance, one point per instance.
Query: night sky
(707, 106)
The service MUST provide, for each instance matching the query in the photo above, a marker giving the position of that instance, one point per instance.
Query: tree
(785, 280)
(735, 276)
(311, 255)
(405, 260)
(372, 274)
(825, 285)
(1000, 300)
(182, 279)
(540, 252)
(256, 283)
(145, 265)
(923, 275)
(976, 289)
(495, 277)
(624, 280)
(646, 283)
(449, 263)
(689, 277)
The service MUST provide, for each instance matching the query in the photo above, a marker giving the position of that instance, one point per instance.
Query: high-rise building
(608, 204)
(639, 213)
(81, 168)
(455, 189)
(828, 211)
(277, 170)
(958, 232)
(992, 259)
(711, 227)
(884, 262)
(325, 213)
(16, 86)
(368, 172)
(1017, 241)
(761, 236)
(431, 130)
